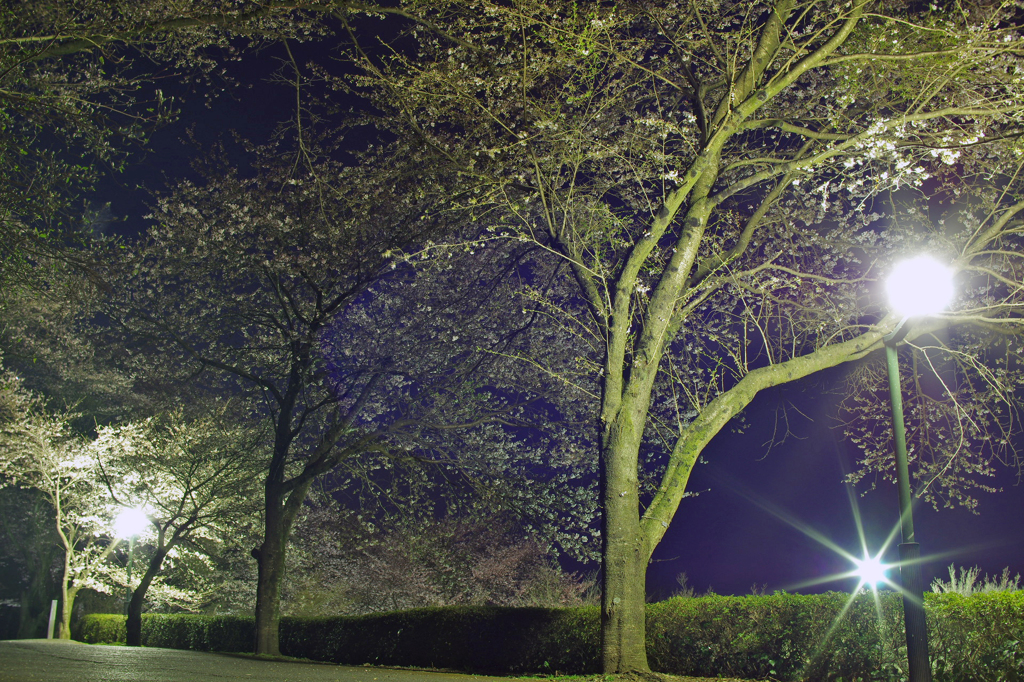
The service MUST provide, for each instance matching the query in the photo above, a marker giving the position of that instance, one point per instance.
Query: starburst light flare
(871, 571)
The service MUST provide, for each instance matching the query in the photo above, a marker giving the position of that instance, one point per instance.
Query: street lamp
(917, 287)
(871, 571)
(129, 524)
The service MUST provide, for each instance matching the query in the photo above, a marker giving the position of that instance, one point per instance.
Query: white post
(53, 618)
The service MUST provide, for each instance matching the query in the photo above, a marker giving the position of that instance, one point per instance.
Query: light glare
(920, 286)
(871, 570)
(130, 522)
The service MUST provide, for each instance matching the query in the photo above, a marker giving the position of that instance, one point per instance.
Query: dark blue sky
(746, 529)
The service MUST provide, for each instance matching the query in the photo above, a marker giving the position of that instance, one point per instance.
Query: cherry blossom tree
(194, 479)
(278, 288)
(719, 180)
(83, 84)
(40, 451)
(340, 567)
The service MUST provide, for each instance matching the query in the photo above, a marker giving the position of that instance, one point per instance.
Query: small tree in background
(340, 568)
(39, 450)
(196, 480)
(277, 288)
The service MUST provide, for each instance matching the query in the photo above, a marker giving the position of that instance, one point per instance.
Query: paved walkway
(41, 660)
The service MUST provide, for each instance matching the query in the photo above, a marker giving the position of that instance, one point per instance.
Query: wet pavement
(42, 660)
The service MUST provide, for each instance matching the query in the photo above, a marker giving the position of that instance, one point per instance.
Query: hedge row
(478, 639)
(785, 637)
(177, 631)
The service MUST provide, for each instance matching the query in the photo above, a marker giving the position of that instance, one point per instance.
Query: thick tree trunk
(624, 560)
(270, 561)
(623, 595)
(133, 634)
(281, 509)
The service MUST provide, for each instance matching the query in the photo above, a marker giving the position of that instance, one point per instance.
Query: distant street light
(871, 570)
(917, 287)
(130, 523)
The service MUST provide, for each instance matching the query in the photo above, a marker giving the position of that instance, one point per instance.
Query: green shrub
(977, 637)
(177, 631)
(967, 583)
(781, 636)
(472, 638)
(200, 633)
(100, 628)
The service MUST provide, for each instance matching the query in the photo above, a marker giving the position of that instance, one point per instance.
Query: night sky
(748, 528)
(744, 529)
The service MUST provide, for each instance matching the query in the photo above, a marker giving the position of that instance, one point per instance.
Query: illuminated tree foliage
(195, 480)
(720, 180)
(82, 83)
(279, 288)
(40, 451)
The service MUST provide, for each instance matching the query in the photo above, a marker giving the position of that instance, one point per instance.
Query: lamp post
(129, 524)
(917, 287)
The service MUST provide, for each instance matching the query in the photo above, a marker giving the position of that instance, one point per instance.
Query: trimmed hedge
(781, 636)
(980, 637)
(475, 638)
(103, 628)
(200, 633)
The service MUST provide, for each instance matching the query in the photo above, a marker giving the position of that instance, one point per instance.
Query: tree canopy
(700, 200)
(40, 451)
(277, 287)
(195, 481)
(726, 184)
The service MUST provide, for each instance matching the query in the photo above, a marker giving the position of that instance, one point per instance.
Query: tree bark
(67, 600)
(281, 508)
(133, 632)
(270, 563)
(66, 606)
(623, 593)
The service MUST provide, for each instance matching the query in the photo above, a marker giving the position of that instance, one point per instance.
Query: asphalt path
(42, 660)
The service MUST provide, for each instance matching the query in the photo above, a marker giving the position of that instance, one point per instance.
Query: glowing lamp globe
(870, 570)
(920, 286)
(130, 522)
